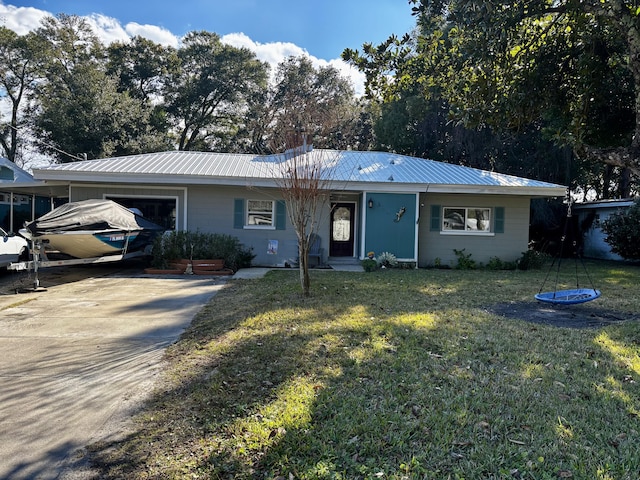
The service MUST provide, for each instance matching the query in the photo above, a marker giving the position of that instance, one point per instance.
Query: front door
(342, 230)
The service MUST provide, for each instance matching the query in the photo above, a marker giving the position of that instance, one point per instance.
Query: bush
(464, 260)
(496, 263)
(369, 264)
(623, 232)
(532, 259)
(200, 246)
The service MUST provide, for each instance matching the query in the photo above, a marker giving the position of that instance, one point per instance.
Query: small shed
(590, 217)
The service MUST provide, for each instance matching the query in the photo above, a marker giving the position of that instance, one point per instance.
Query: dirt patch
(570, 316)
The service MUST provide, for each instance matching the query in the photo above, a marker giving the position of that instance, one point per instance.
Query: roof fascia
(550, 191)
(132, 178)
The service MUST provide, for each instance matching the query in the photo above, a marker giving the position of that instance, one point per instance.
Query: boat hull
(92, 228)
(87, 244)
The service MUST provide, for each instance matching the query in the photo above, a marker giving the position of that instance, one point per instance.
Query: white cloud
(108, 29)
(272, 53)
(275, 52)
(21, 19)
(153, 33)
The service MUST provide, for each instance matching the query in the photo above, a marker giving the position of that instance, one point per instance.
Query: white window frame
(249, 212)
(466, 222)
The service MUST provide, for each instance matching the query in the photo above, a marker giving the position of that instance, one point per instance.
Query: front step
(343, 261)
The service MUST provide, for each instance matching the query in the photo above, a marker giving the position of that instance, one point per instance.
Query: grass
(395, 374)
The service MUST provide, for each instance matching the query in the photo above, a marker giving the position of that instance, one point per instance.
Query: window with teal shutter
(281, 215)
(435, 218)
(238, 213)
(498, 226)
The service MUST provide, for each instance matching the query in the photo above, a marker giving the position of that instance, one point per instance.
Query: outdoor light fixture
(370, 203)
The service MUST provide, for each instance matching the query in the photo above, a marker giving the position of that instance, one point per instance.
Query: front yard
(395, 374)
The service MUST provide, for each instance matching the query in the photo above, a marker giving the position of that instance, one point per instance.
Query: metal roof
(360, 170)
(11, 173)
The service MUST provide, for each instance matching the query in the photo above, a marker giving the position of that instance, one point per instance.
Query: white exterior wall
(595, 245)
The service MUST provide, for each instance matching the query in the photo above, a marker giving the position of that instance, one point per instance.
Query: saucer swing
(570, 296)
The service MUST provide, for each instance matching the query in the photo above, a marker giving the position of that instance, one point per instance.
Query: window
(461, 219)
(260, 213)
(341, 227)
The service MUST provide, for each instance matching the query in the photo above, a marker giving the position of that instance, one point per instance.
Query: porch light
(370, 203)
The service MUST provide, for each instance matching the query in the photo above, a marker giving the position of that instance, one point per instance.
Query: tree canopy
(21, 59)
(569, 71)
(81, 99)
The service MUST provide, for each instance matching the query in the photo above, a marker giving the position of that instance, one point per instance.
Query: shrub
(532, 259)
(496, 264)
(623, 232)
(200, 246)
(369, 264)
(387, 260)
(464, 260)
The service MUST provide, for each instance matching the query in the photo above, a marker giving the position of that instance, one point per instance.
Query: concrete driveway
(77, 359)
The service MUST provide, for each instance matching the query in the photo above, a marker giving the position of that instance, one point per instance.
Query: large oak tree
(206, 96)
(569, 69)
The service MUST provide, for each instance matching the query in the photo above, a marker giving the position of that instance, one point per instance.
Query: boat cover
(90, 215)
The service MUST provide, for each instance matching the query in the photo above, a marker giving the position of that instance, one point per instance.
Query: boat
(92, 228)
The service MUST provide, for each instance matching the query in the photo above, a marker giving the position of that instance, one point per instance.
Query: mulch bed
(570, 316)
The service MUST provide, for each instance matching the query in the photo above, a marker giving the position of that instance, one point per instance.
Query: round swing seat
(569, 297)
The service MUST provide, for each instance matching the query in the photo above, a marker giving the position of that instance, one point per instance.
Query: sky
(273, 29)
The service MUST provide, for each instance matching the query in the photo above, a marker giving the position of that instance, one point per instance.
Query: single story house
(419, 210)
(590, 217)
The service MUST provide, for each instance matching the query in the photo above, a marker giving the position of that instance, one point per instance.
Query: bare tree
(304, 177)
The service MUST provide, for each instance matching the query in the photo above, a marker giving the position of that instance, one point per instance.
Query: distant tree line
(543, 90)
(71, 97)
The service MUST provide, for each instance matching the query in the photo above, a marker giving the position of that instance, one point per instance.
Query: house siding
(210, 209)
(507, 246)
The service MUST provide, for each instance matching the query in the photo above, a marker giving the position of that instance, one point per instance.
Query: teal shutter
(281, 215)
(498, 225)
(238, 213)
(435, 218)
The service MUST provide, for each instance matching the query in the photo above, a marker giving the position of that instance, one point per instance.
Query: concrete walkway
(77, 359)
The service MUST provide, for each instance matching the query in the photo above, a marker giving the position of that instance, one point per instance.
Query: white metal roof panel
(343, 166)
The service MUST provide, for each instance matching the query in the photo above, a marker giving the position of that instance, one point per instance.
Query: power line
(82, 156)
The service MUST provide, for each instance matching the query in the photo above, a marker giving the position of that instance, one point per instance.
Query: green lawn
(393, 374)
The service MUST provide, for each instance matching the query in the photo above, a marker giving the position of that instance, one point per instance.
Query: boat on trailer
(92, 228)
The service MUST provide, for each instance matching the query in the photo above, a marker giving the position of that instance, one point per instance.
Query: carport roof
(363, 171)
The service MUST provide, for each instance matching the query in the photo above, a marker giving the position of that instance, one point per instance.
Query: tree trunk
(305, 281)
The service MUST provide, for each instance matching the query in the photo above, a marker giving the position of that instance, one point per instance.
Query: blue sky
(322, 28)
